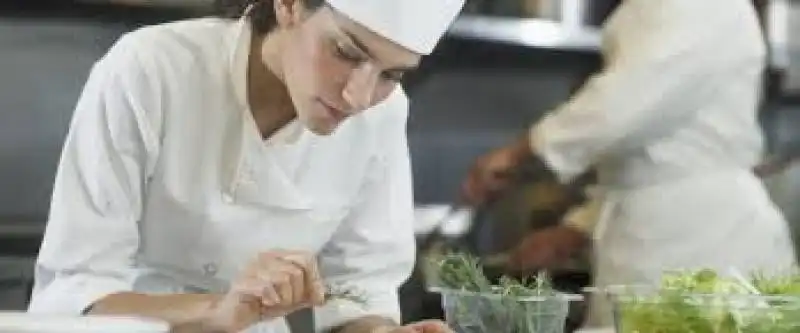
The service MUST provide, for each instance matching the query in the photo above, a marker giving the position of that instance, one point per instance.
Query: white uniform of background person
(166, 186)
(670, 124)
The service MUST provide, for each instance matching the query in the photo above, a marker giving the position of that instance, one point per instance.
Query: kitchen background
(503, 64)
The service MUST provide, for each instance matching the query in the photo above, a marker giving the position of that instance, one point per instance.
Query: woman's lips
(334, 112)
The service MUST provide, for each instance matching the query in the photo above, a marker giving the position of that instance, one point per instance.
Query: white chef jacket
(670, 123)
(166, 186)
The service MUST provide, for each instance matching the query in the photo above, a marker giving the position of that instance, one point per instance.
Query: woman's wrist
(182, 312)
(207, 319)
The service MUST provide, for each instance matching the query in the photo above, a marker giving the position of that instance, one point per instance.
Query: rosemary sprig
(341, 292)
(460, 272)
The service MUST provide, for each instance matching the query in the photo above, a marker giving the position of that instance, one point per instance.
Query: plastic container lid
(596, 330)
(19, 322)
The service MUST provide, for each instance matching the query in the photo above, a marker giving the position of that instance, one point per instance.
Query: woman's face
(333, 67)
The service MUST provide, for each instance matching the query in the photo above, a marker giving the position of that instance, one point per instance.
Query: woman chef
(219, 173)
(670, 126)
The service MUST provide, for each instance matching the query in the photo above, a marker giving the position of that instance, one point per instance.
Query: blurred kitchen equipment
(538, 201)
(497, 259)
(785, 29)
(781, 25)
(503, 259)
(19, 322)
(574, 13)
(442, 220)
(571, 13)
(535, 201)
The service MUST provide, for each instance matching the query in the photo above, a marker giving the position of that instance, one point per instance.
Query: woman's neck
(268, 97)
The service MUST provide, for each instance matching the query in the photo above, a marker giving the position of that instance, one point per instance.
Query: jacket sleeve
(92, 236)
(664, 59)
(374, 250)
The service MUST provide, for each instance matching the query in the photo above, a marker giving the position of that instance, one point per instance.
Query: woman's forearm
(183, 312)
(370, 324)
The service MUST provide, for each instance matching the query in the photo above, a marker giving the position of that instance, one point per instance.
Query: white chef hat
(414, 24)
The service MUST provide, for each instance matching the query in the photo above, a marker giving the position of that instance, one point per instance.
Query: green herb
(340, 292)
(788, 284)
(474, 304)
(460, 272)
(704, 302)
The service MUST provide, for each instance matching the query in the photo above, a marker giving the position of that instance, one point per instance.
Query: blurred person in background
(220, 173)
(670, 126)
(552, 246)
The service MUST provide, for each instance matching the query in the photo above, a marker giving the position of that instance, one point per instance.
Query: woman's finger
(297, 282)
(247, 290)
(316, 289)
(283, 286)
(269, 295)
(313, 286)
(270, 279)
(305, 279)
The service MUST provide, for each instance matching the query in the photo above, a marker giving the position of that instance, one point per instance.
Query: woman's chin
(322, 127)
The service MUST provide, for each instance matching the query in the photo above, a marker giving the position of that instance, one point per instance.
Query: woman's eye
(348, 55)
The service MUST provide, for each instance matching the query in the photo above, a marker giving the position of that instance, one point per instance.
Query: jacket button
(210, 269)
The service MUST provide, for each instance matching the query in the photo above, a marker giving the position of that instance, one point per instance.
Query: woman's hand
(428, 326)
(274, 285)
(425, 326)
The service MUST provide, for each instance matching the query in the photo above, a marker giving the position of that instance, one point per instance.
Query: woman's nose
(360, 87)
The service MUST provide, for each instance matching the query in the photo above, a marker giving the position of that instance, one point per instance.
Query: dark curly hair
(262, 15)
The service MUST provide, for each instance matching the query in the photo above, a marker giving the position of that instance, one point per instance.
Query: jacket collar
(241, 34)
(241, 138)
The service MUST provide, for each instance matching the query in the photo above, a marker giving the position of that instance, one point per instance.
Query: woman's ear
(289, 13)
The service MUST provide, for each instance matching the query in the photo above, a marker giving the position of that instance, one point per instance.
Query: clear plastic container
(470, 312)
(640, 309)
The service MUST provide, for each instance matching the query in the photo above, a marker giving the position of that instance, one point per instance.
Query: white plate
(18, 322)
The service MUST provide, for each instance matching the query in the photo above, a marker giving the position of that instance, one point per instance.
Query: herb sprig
(341, 292)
